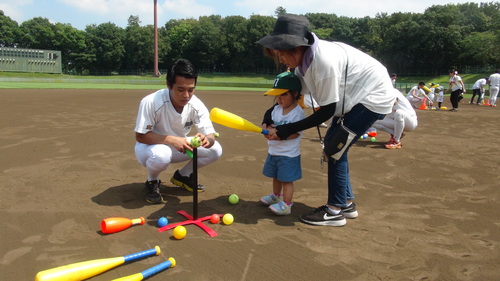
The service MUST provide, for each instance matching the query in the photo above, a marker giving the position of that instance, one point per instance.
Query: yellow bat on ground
(86, 269)
(149, 272)
(234, 121)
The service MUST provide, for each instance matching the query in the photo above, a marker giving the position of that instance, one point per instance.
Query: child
(440, 96)
(431, 94)
(283, 159)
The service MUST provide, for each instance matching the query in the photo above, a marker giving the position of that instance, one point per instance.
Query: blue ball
(162, 221)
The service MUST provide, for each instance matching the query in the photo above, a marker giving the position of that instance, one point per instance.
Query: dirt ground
(428, 211)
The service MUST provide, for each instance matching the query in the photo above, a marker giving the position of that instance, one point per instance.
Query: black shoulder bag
(343, 136)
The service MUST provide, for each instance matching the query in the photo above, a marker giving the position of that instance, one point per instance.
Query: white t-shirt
(455, 82)
(367, 79)
(404, 104)
(479, 84)
(419, 92)
(290, 148)
(157, 114)
(494, 80)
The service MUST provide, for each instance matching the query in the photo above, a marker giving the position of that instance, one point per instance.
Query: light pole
(155, 71)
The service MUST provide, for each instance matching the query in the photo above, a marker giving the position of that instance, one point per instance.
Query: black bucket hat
(289, 31)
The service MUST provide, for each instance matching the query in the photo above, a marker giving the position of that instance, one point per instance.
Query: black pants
(474, 93)
(455, 98)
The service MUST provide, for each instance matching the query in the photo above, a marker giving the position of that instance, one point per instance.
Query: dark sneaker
(185, 182)
(153, 195)
(322, 216)
(350, 212)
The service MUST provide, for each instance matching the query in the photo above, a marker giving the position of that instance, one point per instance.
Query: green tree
(279, 11)
(71, 42)
(176, 36)
(37, 33)
(322, 24)
(463, 35)
(321, 20)
(343, 30)
(105, 44)
(258, 27)
(481, 48)
(207, 43)
(235, 55)
(9, 31)
(139, 46)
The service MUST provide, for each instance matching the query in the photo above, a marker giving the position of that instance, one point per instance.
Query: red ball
(215, 219)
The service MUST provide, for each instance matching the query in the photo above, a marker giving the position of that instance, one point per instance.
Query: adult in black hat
(344, 82)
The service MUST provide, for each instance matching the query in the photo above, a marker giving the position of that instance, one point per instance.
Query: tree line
(462, 36)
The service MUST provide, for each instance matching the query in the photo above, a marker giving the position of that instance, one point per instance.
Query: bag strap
(343, 98)
(345, 81)
(317, 126)
(345, 86)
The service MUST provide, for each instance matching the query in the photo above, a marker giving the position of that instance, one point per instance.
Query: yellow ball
(179, 232)
(228, 219)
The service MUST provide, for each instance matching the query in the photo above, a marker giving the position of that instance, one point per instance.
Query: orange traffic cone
(487, 103)
(423, 106)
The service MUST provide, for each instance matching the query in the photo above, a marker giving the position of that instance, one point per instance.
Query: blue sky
(80, 13)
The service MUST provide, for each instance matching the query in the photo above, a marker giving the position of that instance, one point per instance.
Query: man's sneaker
(153, 195)
(350, 211)
(270, 199)
(281, 208)
(394, 145)
(322, 216)
(185, 182)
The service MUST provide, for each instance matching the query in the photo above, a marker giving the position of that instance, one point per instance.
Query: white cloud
(115, 11)
(118, 11)
(188, 8)
(14, 9)
(112, 7)
(352, 8)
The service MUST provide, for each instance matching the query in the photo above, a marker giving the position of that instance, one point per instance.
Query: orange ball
(215, 219)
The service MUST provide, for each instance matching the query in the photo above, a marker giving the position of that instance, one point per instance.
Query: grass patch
(215, 81)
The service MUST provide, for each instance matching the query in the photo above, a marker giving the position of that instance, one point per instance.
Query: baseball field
(428, 211)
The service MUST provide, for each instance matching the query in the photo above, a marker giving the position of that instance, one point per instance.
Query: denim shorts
(283, 168)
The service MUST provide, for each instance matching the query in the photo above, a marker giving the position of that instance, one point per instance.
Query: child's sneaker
(281, 208)
(270, 199)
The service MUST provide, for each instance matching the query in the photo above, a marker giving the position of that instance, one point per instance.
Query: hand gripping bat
(234, 121)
